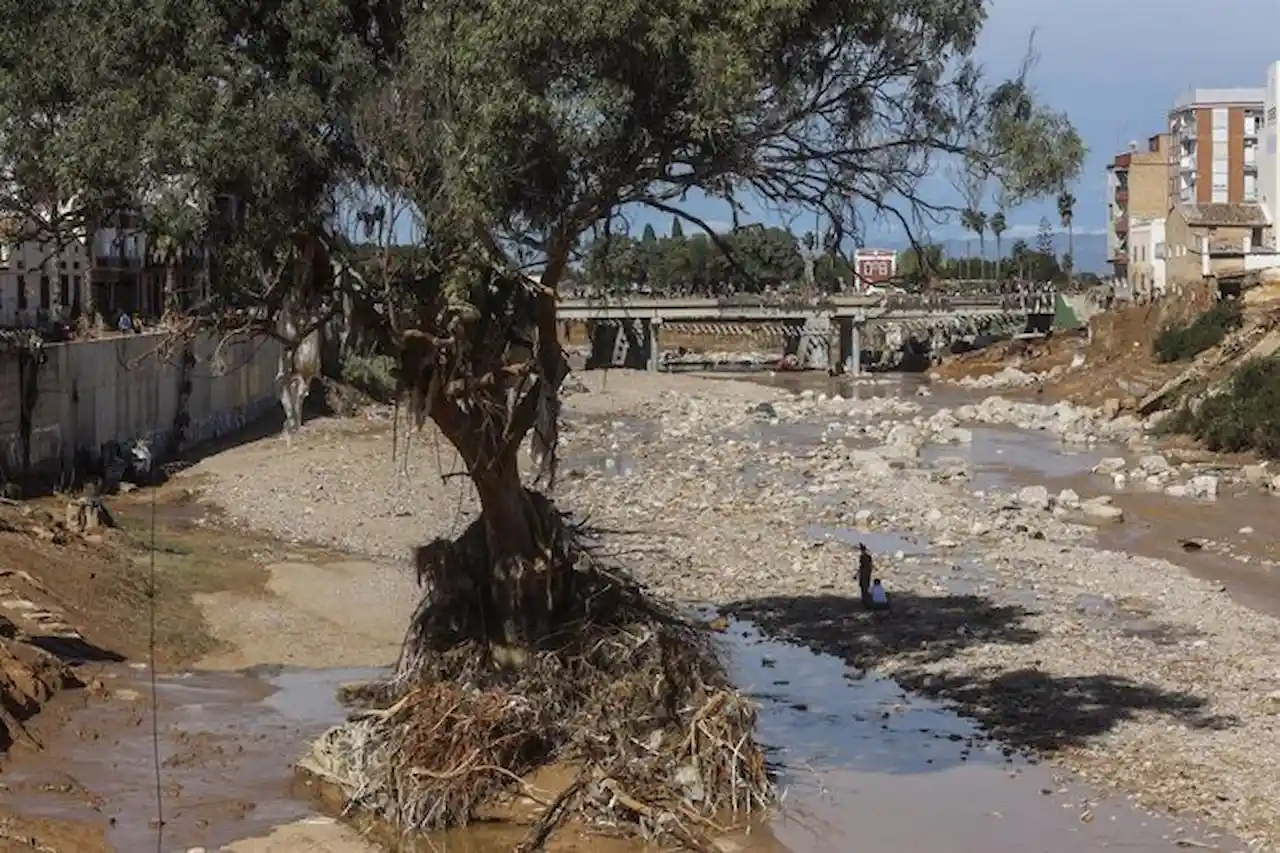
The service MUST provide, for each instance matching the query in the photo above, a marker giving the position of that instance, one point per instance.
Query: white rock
(1102, 511)
(1110, 465)
(1256, 475)
(1068, 499)
(1154, 464)
(1035, 497)
(1204, 486)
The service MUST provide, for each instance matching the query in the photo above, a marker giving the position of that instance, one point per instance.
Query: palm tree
(1066, 213)
(975, 221)
(998, 226)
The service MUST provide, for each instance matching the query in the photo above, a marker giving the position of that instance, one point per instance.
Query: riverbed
(1114, 685)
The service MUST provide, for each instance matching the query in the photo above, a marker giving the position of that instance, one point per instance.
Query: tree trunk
(999, 257)
(170, 287)
(1071, 248)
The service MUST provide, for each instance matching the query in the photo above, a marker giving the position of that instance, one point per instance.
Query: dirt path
(313, 614)
(319, 835)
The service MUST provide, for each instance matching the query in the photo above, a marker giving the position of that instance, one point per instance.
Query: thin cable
(152, 592)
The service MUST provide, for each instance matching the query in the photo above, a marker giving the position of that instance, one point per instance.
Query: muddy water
(226, 741)
(851, 754)
(1156, 525)
(869, 767)
(1000, 457)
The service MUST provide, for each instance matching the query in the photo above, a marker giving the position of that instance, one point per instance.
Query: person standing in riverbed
(865, 570)
(879, 598)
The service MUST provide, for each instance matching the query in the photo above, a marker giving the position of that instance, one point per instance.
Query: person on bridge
(865, 570)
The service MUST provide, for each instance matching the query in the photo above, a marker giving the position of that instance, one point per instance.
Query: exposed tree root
(625, 689)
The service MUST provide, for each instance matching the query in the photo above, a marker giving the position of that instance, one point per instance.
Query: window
(64, 290)
(45, 294)
(22, 294)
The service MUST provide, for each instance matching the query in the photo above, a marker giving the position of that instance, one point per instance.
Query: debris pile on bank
(632, 700)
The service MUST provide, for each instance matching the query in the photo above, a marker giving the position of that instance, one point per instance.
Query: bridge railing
(1031, 301)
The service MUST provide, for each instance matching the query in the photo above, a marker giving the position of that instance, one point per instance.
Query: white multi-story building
(39, 282)
(1215, 136)
(1269, 157)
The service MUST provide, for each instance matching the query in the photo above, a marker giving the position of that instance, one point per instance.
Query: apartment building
(1137, 191)
(38, 282)
(1269, 160)
(1215, 135)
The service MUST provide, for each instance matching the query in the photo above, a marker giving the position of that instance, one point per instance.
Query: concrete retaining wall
(119, 389)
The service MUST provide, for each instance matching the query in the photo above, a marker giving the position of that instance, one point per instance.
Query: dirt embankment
(72, 602)
(1113, 360)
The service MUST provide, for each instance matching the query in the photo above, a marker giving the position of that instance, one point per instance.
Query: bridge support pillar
(814, 350)
(849, 345)
(653, 346)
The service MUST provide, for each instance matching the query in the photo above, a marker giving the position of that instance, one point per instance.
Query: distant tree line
(758, 258)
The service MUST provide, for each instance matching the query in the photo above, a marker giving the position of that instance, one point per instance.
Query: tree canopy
(514, 133)
(758, 257)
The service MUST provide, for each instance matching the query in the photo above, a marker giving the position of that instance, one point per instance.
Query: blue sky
(1116, 69)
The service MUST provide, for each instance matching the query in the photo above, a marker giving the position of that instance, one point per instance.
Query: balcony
(1187, 165)
(1121, 225)
(1122, 196)
(117, 262)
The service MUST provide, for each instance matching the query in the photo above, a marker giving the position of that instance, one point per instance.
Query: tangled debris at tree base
(636, 699)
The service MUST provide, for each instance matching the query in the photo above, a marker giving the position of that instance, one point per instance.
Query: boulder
(1204, 486)
(1035, 497)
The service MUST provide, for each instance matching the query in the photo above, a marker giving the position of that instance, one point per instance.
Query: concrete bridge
(627, 332)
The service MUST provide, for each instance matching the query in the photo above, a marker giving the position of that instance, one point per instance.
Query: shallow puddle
(877, 541)
(870, 768)
(227, 743)
(1001, 457)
